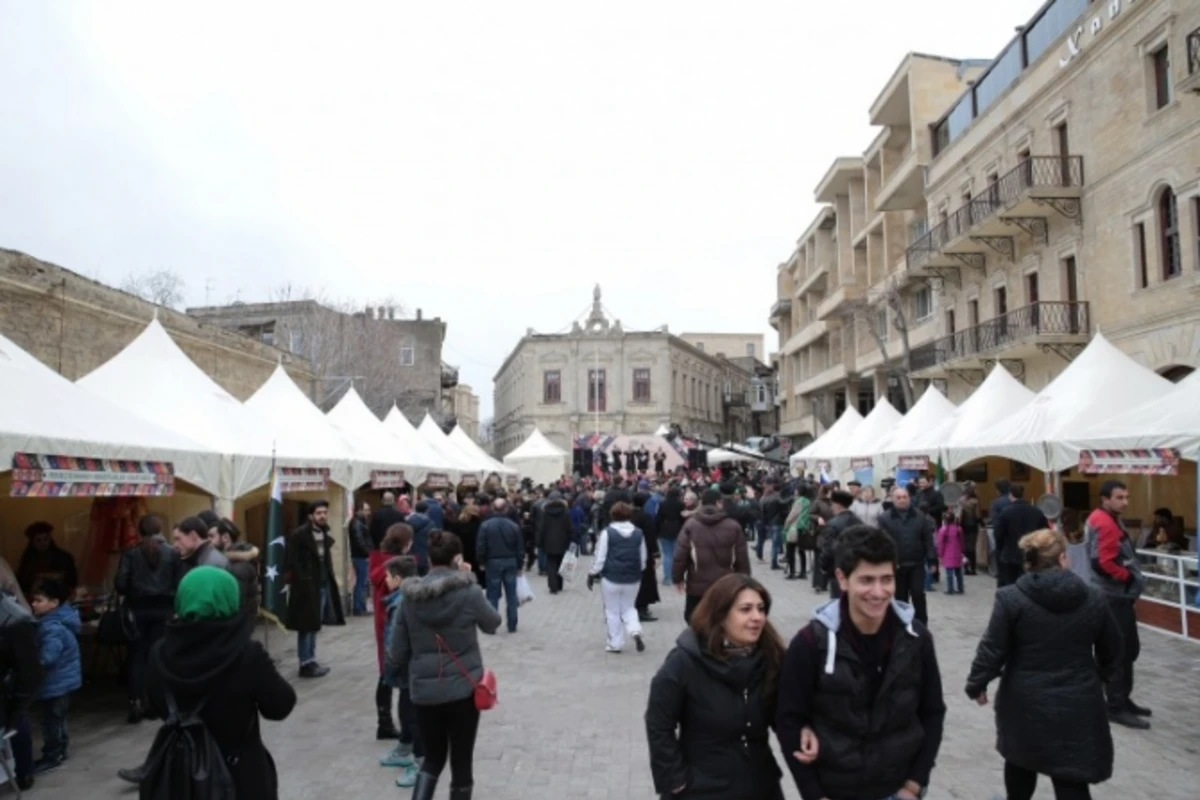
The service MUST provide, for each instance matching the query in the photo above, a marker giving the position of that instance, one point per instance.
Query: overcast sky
(485, 162)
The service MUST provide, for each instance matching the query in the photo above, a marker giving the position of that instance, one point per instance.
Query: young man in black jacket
(1017, 519)
(863, 676)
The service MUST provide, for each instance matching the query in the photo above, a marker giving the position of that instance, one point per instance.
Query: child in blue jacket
(407, 755)
(58, 644)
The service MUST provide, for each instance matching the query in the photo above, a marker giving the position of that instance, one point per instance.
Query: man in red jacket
(1118, 575)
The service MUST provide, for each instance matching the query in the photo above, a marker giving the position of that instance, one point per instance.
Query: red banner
(1152, 461)
(41, 475)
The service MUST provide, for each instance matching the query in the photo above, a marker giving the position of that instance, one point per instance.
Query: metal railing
(1171, 581)
(1036, 319)
(1035, 172)
(1193, 52)
(781, 307)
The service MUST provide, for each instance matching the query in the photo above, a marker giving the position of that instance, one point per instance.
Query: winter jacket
(383, 518)
(219, 661)
(950, 546)
(306, 573)
(710, 546)
(1017, 519)
(912, 532)
(554, 530)
(433, 510)
(446, 603)
(360, 538)
(621, 554)
(422, 525)
(499, 537)
(58, 648)
(149, 590)
(669, 518)
(51, 563)
(867, 512)
(774, 509)
(708, 726)
(827, 539)
(20, 666)
(877, 710)
(206, 555)
(1052, 642)
(397, 677)
(1115, 568)
(933, 502)
(243, 564)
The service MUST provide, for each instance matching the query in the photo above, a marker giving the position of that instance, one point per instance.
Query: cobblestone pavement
(570, 720)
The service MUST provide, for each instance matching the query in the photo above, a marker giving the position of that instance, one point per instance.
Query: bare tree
(163, 287)
(865, 313)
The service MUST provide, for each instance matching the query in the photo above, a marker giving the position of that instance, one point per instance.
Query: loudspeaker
(582, 460)
(697, 458)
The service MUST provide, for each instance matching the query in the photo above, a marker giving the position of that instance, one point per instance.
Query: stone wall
(74, 324)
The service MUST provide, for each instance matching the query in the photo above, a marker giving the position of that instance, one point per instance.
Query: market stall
(863, 443)
(816, 456)
(445, 472)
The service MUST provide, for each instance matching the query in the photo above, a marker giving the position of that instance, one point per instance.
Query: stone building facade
(1049, 193)
(387, 358)
(600, 377)
(74, 324)
(463, 407)
(728, 345)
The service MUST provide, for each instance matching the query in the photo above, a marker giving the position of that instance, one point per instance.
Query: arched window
(1168, 225)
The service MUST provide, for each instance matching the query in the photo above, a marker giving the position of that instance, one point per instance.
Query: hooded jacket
(1052, 641)
(874, 702)
(20, 666)
(58, 643)
(446, 603)
(710, 546)
(219, 661)
(621, 554)
(554, 527)
(708, 726)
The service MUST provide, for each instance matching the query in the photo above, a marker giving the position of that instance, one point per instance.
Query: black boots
(426, 786)
(461, 792)
(387, 728)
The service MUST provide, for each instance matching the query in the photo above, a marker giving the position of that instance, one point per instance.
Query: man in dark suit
(384, 517)
(1016, 520)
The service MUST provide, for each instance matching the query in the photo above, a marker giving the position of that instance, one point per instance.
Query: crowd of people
(855, 700)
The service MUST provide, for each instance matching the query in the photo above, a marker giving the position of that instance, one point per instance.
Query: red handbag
(485, 688)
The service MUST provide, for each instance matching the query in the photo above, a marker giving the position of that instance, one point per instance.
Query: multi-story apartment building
(847, 301)
(461, 404)
(1064, 192)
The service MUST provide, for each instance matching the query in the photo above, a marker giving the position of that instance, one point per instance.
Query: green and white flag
(274, 589)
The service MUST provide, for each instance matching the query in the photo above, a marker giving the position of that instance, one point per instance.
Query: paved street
(570, 719)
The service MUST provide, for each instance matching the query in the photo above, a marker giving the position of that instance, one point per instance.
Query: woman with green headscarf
(208, 653)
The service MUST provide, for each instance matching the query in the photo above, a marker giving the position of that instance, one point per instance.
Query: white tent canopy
(827, 445)
(465, 443)
(874, 430)
(375, 443)
(412, 442)
(931, 411)
(1101, 382)
(299, 430)
(1172, 420)
(432, 433)
(999, 396)
(43, 413)
(154, 379)
(538, 459)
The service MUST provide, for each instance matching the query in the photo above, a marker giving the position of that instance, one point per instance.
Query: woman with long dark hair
(1051, 641)
(147, 577)
(712, 703)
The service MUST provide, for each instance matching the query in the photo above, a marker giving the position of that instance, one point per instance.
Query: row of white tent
(1102, 400)
(151, 402)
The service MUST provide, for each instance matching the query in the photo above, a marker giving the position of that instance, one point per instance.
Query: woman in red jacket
(396, 542)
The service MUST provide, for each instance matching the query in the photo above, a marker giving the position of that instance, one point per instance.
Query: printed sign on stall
(437, 480)
(1151, 461)
(511, 481)
(469, 482)
(865, 462)
(42, 475)
(913, 463)
(387, 478)
(303, 479)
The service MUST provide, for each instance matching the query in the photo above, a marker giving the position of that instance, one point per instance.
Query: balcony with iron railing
(781, 308)
(1192, 82)
(1020, 200)
(1018, 334)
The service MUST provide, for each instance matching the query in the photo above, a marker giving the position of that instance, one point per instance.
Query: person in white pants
(618, 565)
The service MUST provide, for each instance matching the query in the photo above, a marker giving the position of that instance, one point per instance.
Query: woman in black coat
(669, 523)
(208, 653)
(1051, 640)
(712, 703)
(648, 591)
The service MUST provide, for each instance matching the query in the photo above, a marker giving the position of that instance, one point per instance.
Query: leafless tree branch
(163, 287)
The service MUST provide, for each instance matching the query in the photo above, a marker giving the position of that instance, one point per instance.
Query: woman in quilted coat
(1051, 640)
